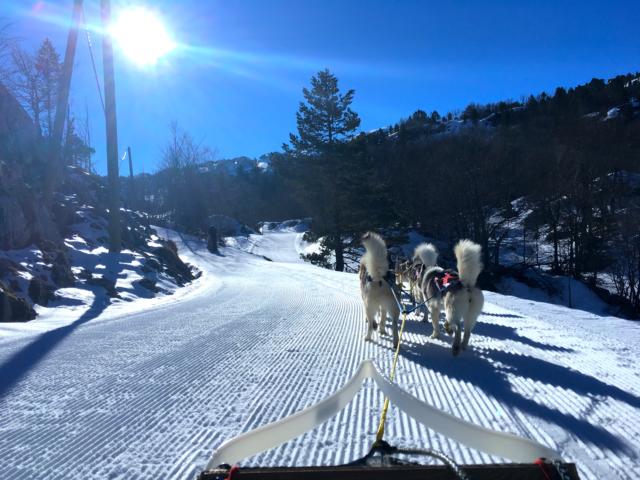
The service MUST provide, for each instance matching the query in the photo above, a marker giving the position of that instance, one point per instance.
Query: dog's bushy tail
(469, 258)
(427, 253)
(375, 257)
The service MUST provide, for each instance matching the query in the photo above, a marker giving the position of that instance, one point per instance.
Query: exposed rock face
(14, 230)
(168, 255)
(14, 120)
(22, 217)
(14, 309)
(9, 267)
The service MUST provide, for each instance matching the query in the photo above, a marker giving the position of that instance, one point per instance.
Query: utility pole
(132, 190)
(115, 242)
(55, 166)
(130, 164)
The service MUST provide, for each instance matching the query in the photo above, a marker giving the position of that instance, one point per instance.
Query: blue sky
(235, 83)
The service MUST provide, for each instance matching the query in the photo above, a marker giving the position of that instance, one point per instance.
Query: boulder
(175, 267)
(149, 284)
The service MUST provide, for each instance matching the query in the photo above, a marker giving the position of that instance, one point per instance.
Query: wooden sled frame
(509, 471)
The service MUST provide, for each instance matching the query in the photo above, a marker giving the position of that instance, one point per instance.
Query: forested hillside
(563, 169)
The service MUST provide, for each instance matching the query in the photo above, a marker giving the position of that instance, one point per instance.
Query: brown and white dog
(403, 272)
(457, 292)
(375, 287)
(425, 256)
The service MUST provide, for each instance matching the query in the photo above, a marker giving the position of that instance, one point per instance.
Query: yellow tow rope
(383, 416)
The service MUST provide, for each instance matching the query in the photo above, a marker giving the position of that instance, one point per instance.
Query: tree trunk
(556, 265)
(339, 249)
(56, 166)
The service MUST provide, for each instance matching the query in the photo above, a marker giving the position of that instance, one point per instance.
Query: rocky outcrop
(14, 309)
(14, 229)
(167, 254)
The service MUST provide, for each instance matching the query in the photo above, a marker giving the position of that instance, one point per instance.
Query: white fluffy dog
(425, 256)
(457, 291)
(375, 288)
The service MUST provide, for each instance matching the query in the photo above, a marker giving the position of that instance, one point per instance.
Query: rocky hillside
(58, 256)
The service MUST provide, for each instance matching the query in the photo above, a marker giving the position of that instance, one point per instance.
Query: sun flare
(141, 36)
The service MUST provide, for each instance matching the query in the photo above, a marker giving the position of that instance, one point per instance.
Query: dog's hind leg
(395, 314)
(455, 348)
(476, 300)
(425, 317)
(469, 323)
(370, 312)
(383, 321)
(435, 319)
(454, 318)
(447, 327)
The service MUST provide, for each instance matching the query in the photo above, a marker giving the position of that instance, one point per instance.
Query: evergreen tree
(317, 161)
(48, 70)
(326, 120)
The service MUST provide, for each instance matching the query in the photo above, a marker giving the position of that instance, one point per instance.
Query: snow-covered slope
(150, 394)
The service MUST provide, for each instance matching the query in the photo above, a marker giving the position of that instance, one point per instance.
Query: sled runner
(534, 460)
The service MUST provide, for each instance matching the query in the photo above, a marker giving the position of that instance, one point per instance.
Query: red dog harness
(446, 281)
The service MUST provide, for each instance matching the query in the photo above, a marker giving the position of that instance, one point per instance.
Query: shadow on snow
(20, 363)
(489, 370)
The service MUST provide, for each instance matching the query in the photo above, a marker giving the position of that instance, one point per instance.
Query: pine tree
(326, 120)
(48, 69)
(317, 159)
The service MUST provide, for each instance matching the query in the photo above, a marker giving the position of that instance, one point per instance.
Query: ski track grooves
(151, 395)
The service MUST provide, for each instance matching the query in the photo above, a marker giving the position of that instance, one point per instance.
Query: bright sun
(141, 36)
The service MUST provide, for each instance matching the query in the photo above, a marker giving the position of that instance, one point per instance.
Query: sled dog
(425, 256)
(403, 272)
(457, 292)
(375, 286)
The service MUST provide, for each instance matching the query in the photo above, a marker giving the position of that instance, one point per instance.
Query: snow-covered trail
(149, 395)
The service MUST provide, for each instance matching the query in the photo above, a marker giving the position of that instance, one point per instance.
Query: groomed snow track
(149, 395)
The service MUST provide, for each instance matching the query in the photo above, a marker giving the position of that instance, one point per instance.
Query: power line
(93, 62)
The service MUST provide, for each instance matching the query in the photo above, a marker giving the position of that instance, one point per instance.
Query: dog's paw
(435, 335)
(455, 349)
(367, 338)
(448, 329)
